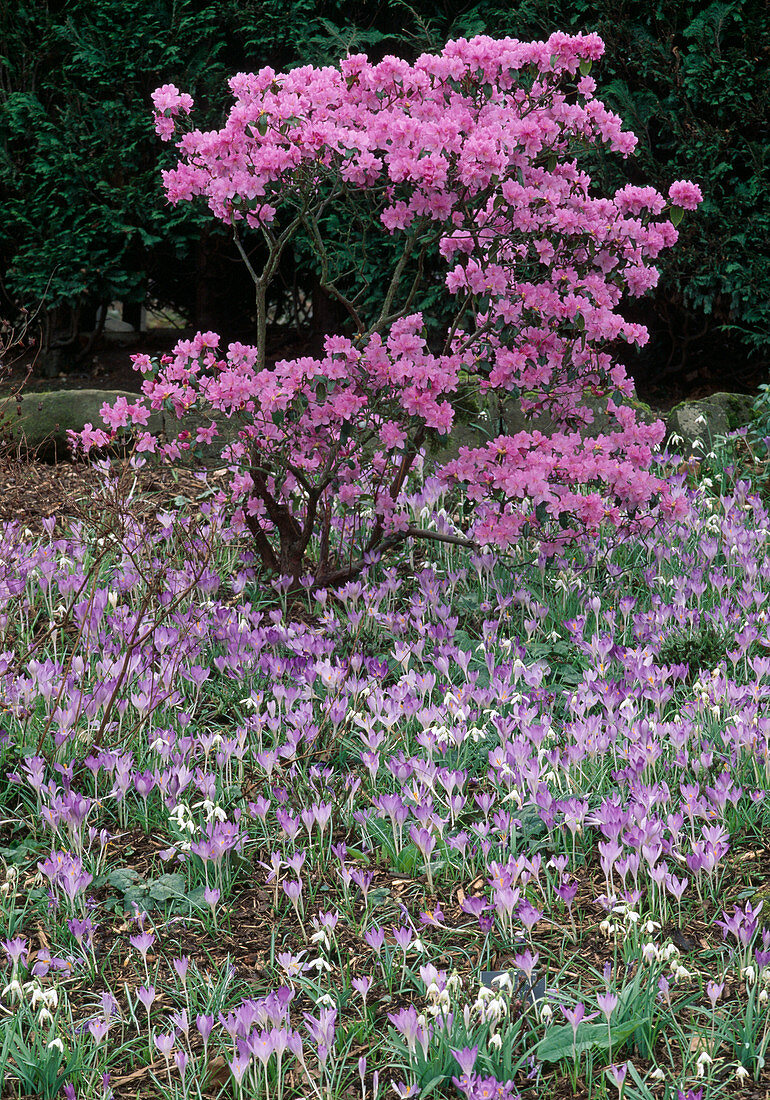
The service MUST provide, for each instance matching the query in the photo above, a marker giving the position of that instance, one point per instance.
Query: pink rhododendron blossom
(685, 194)
(459, 156)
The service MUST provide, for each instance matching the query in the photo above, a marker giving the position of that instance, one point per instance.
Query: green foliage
(82, 209)
(760, 428)
(702, 648)
(166, 891)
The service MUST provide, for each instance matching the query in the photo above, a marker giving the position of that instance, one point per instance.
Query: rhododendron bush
(471, 159)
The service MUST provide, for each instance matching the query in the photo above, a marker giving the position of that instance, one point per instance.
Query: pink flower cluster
(474, 150)
(168, 102)
(685, 194)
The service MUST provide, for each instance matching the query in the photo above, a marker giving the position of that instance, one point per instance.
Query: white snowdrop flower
(432, 992)
(503, 983)
(514, 796)
(496, 1041)
(651, 927)
(605, 928)
(704, 1059)
(505, 644)
(5, 889)
(443, 1000)
(321, 937)
(650, 953)
(433, 1010)
(56, 1044)
(763, 997)
(485, 993)
(112, 599)
(657, 1074)
(750, 974)
(546, 1014)
(681, 973)
(14, 991)
(51, 997)
(11, 873)
(326, 1000)
(319, 965)
(418, 946)
(742, 1074)
(632, 917)
(670, 951)
(37, 997)
(422, 1020)
(454, 983)
(44, 1017)
(495, 1010)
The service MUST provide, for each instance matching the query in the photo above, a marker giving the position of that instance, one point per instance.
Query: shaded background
(84, 222)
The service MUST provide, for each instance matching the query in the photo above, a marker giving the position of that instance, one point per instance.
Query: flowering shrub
(471, 157)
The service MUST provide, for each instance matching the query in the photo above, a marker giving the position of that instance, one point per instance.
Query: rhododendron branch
(262, 281)
(391, 542)
(439, 536)
(385, 319)
(325, 282)
(279, 513)
(262, 543)
(407, 462)
(245, 257)
(455, 323)
(383, 322)
(474, 338)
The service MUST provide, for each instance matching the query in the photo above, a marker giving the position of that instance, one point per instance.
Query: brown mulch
(32, 490)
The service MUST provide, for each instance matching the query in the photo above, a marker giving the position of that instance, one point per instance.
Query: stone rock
(39, 422)
(693, 426)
